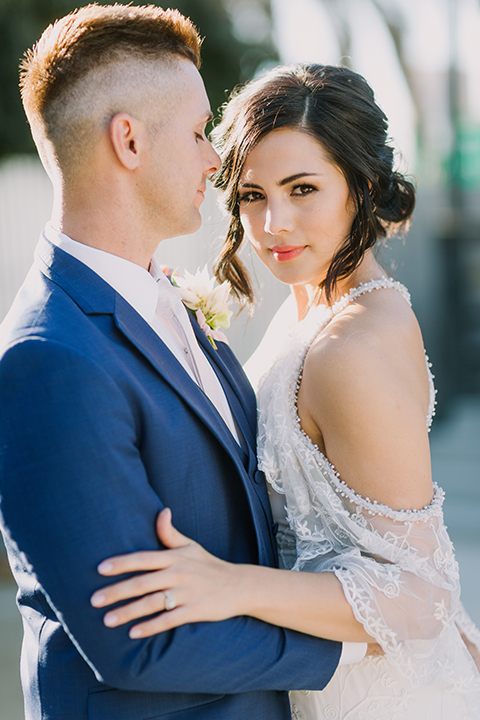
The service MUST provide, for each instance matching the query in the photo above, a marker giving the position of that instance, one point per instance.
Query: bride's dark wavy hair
(336, 106)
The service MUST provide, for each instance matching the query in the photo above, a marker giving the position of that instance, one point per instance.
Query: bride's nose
(278, 219)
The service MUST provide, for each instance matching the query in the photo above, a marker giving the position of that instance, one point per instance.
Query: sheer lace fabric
(397, 568)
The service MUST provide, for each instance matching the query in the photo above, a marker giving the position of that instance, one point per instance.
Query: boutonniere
(207, 300)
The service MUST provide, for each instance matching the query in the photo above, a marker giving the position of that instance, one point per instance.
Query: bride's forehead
(286, 143)
(283, 153)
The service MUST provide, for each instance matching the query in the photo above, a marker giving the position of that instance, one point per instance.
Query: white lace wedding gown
(397, 568)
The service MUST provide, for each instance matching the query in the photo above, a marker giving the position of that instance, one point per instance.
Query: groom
(113, 405)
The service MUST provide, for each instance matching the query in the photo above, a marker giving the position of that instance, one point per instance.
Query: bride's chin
(299, 281)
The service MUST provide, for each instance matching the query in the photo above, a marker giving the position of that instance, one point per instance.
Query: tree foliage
(226, 60)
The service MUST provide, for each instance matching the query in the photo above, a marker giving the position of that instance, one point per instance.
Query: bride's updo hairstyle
(337, 107)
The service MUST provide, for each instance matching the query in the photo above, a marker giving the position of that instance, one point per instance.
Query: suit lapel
(244, 416)
(240, 412)
(147, 341)
(150, 345)
(96, 297)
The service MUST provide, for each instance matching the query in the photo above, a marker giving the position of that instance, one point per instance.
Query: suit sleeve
(73, 491)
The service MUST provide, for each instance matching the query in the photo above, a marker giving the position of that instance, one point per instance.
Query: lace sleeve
(466, 626)
(397, 569)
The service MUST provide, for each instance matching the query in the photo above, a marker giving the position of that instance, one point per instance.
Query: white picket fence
(25, 206)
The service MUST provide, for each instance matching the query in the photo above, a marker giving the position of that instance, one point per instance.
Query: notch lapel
(245, 416)
(154, 349)
(96, 297)
(239, 409)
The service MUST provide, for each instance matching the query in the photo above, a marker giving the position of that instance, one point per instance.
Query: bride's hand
(200, 586)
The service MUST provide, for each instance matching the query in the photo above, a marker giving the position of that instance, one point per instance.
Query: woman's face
(295, 206)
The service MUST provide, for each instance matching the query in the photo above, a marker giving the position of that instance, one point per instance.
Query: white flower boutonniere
(208, 301)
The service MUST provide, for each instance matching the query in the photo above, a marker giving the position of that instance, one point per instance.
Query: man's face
(180, 158)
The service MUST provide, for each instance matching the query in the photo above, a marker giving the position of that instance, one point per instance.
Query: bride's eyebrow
(292, 178)
(249, 185)
(281, 183)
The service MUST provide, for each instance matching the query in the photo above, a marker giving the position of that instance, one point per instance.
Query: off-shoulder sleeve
(397, 568)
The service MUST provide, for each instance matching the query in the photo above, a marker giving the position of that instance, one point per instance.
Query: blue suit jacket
(100, 427)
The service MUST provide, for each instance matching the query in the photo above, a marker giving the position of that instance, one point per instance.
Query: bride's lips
(282, 253)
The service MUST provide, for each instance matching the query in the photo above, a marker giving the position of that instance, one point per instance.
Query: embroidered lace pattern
(397, 567)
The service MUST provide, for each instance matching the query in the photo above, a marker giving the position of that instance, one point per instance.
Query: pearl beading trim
(372, 507)
(366, 287)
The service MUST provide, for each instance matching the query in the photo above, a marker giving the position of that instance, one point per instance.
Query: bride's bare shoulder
(379, 327)
(365, 387)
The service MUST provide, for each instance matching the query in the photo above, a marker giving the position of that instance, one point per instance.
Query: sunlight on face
(180, 157)
(295, 206)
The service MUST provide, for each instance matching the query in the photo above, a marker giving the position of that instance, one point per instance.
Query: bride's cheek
(254, 244)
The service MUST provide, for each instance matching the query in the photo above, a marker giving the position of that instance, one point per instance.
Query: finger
(148, 605)
(133, 587)
(167, 534)
(166, 621)
(135, 562)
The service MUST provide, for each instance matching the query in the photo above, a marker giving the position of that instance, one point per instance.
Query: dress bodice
(397, 567)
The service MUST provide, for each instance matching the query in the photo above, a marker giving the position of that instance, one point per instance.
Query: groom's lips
(282, 253)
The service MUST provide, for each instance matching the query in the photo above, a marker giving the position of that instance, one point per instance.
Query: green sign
(469, 151)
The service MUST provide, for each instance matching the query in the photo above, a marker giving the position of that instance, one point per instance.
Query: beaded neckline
(366, 287)
(372, 507)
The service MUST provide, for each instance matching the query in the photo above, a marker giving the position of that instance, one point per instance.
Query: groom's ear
(126, 137)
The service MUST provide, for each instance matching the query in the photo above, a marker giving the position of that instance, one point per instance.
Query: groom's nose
(212, 159)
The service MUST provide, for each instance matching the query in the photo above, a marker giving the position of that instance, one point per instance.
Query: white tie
(170, 308)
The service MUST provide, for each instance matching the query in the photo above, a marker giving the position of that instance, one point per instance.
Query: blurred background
(422, 58)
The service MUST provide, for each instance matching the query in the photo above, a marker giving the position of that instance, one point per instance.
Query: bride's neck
(308, 294)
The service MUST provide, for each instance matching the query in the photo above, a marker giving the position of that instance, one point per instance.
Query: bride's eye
(304, 189)
(249, 197)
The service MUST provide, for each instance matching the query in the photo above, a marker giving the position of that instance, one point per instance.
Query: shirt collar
(135, 284)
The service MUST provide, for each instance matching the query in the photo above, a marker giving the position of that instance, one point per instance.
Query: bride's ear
(125, 136)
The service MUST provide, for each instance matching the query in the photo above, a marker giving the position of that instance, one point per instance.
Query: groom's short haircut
(94, 63)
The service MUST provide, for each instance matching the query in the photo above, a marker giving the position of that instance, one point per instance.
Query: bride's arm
(206, 588)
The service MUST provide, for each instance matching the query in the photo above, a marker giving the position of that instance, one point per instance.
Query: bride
(346, 399)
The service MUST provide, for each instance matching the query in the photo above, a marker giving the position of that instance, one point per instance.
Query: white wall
(25, 204)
